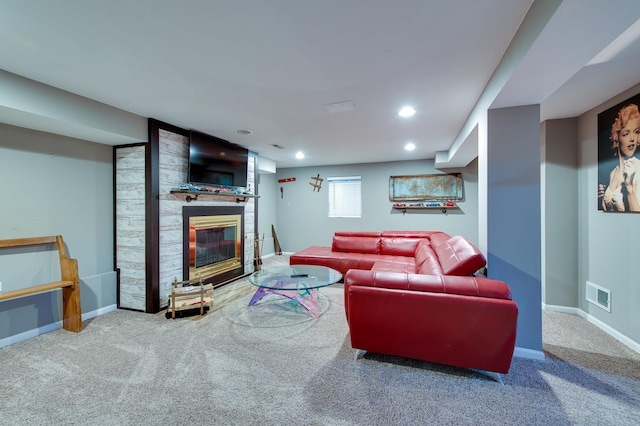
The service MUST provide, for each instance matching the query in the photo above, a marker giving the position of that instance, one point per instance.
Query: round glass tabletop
(295, 277)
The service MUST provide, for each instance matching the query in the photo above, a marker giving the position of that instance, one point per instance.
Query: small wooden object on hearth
(276, 243)
(257, 249)
(190, 295)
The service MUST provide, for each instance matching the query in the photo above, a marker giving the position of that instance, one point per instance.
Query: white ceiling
(271, 66)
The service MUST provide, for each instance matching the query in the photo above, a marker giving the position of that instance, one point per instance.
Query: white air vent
(339, 107)
(599, 296)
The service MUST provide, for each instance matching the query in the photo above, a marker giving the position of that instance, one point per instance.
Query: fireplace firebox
(213, 243)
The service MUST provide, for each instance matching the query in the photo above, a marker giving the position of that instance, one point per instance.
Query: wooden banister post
(71, 306)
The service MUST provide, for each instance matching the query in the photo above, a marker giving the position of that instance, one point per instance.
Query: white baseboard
(563, 309)
(539, 355)
(604, 327)
(97, 312)
(30, 334)
(611, 331)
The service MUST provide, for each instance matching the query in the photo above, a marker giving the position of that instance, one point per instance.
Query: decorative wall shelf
(443, 208)
(193, 195)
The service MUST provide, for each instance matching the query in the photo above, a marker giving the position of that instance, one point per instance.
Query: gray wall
(560, 210)
(302, 214)
(57, 185)
(607, 241)
(53, 185)
(513, 216)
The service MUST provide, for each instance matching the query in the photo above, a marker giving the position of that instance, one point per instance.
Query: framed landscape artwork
(618, 157)
(444, 186)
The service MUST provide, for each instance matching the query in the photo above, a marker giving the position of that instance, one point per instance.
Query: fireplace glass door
(214, 245)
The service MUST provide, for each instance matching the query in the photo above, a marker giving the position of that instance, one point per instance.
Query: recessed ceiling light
(244, 132)
(299, 155)
(410, 146)
(406, 111)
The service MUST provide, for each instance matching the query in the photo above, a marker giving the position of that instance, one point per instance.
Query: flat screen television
(217, 162)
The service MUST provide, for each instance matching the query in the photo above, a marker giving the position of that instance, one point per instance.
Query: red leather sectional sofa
(413, 294)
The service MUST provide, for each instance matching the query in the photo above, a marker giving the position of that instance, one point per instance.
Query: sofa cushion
(395, 264)
(430, 266)
(457, 256)
(357, 233)
(410, 234)
(356, 244)
(314, 255)
(438, 238)
(340, 261)
(423, 252)
(398, 246)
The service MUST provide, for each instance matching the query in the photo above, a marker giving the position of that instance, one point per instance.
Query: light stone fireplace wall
(130, 225)
(174, 163)
(130, 217)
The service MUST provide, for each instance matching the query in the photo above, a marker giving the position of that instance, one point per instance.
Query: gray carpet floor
(273, 364)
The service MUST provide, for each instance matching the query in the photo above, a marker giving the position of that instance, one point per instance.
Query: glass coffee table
(297, 282)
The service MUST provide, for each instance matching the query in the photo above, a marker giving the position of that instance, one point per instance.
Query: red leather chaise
(414, 294)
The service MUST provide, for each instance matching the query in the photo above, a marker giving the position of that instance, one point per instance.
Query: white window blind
(345, 198)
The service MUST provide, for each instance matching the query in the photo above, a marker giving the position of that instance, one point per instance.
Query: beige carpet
(572, 339)
(273, 364)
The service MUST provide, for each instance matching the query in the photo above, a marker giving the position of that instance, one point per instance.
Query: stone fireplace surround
(148, 217)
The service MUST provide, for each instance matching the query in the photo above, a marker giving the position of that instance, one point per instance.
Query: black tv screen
(215, 161)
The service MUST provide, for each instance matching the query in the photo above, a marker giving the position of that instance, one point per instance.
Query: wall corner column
(514, 213)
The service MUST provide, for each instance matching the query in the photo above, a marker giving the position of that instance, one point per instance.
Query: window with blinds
(345, 198)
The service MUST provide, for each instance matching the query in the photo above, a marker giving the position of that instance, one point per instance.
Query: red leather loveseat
(413, 294)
